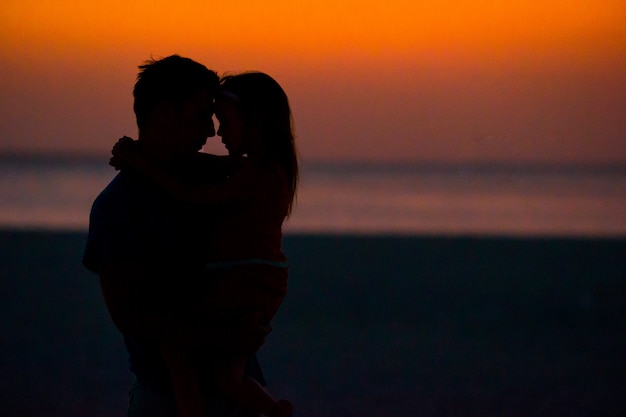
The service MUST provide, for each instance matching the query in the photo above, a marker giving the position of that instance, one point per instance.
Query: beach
(373, 325)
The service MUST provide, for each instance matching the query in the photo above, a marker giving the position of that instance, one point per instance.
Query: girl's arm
(239, 187)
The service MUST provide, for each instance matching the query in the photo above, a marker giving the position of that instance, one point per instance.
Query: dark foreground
(372, 326)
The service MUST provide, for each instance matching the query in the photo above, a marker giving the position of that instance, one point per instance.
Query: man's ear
(165, 113)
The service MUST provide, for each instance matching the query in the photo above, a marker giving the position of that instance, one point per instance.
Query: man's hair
(174, 79)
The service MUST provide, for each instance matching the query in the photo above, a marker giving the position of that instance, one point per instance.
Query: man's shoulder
(125, 185)
(124, 182)
(120, 196)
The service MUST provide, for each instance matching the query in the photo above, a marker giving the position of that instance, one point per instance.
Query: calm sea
(57, 192)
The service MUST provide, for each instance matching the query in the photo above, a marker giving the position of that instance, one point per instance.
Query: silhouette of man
(145, 247)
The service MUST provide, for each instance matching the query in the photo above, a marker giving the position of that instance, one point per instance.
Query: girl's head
(255, 119)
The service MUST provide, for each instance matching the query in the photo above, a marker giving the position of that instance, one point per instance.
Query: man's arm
(121, 283)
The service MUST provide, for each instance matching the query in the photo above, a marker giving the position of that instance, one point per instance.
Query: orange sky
(460, 80)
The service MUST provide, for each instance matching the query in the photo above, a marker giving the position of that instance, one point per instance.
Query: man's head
(174, 105)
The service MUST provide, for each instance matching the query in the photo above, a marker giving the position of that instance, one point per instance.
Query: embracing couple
(187, 245)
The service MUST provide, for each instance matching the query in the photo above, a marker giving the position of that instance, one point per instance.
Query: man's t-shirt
(132, 220)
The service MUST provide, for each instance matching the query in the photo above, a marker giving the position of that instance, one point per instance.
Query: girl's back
(251, 228)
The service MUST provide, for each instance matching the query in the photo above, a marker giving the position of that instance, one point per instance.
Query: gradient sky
(510, 81)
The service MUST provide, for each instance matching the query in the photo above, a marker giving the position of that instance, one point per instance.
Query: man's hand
(245, 333)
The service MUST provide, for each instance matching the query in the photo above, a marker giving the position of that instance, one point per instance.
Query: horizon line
(93, 157)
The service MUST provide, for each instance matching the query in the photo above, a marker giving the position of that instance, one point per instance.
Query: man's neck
(153, 152)
(174, 166)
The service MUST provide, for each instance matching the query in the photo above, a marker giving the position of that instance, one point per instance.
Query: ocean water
(57, 192)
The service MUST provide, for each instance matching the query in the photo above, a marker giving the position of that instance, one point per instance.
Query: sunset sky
(511, 81)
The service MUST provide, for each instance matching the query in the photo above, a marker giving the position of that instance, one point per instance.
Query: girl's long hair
(264, 104)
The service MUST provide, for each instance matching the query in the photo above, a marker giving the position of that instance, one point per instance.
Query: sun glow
(306, 31)
(508, 80)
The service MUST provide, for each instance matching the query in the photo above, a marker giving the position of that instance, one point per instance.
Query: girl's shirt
(250, 227)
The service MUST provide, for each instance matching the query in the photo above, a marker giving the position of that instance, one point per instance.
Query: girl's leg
(185, 382)
(246, 392)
